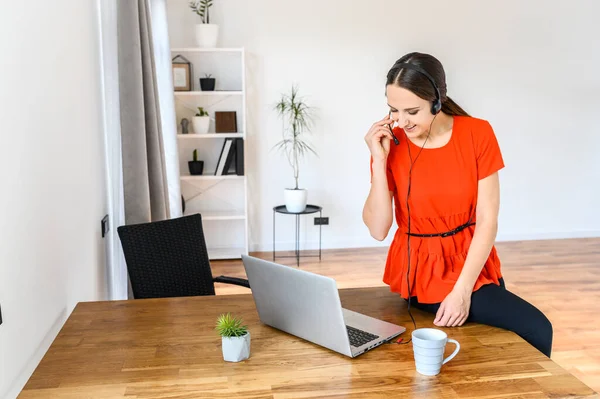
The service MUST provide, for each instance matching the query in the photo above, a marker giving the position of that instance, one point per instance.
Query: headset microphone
(396, 141)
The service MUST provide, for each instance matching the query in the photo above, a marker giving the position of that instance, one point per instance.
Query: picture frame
(182, 73)
(226, 122)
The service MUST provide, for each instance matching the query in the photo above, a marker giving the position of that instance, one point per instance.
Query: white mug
(428, 347)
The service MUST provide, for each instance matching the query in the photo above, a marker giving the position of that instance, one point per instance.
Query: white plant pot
(207, 35)
(201, 124)
(236, 349)
(295, 199)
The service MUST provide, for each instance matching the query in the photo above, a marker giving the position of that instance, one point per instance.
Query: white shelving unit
(221, 200)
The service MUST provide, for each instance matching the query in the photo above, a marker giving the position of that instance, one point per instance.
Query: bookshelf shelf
(207, 50)
(192, 136)
(209, 93)
(223, 215)
(212, 177)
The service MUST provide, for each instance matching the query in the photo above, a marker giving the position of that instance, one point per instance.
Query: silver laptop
(308, 306)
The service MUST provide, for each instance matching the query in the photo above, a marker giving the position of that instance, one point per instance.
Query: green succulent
(230, 326)
(201, 112)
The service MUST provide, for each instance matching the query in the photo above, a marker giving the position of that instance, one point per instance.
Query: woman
(439, 167)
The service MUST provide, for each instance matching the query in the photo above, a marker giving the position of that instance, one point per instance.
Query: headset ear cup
(436, 106)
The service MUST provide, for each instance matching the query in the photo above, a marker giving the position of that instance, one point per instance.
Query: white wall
(530, 68)
(51, 174)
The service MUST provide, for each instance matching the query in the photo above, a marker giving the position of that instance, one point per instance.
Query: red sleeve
(489, 156)
(390, 176)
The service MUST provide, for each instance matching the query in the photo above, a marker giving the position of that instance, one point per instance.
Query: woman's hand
(378, 139)
(454, 309)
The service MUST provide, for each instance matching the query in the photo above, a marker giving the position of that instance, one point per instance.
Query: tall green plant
(201, 7)
(296, 120)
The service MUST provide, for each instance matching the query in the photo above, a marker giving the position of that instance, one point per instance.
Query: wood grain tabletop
(168, 348)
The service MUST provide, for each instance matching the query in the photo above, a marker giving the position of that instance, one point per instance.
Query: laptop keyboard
(359, 337)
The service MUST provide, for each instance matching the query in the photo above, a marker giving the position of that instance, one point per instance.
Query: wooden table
(167, 348)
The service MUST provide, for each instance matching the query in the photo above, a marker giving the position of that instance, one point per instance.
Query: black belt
(445, 234)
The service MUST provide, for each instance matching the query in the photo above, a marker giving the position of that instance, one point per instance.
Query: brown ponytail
(449, 107)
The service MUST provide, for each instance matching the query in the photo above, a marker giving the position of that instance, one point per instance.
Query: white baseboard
(547, 235)
(363, 242)
(314, 245)
(17, 386)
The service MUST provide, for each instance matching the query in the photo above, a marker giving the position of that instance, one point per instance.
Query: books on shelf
(231, 159)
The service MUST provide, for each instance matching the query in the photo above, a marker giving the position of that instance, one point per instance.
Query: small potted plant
(207, 83)
(235, 338)
(297, 115)
(206, 33)
(196, 167)
(201, 121)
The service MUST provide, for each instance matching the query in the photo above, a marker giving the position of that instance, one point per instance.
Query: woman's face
(409, 111)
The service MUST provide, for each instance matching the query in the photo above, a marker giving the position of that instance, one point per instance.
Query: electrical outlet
(321, 221)
(105, 226)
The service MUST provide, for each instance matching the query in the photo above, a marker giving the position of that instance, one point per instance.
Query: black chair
(169, 258)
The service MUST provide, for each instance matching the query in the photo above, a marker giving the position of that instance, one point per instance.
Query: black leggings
(497, 307)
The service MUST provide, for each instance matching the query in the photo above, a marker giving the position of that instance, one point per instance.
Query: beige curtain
(145, 184)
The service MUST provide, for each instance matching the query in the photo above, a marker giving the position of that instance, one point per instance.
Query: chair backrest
(167, 258)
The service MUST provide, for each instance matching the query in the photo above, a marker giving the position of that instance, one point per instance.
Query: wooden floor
(560, 277)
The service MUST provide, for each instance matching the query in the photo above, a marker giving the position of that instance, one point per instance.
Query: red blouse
(443, 196)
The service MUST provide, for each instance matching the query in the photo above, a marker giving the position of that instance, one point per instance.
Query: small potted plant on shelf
(235, 338)
(206, 33)
(296, 114)
(201, 121)
(196, 167)
(207, 83)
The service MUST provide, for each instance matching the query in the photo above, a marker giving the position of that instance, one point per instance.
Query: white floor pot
(236, 349)
(295, 199)
(201, 124)
(207, 35)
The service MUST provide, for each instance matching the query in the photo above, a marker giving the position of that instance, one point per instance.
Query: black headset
(436, 105)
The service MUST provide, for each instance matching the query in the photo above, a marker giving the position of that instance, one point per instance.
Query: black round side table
(309, 209)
